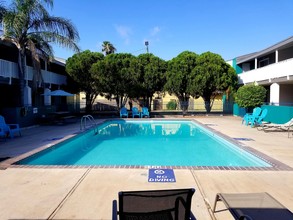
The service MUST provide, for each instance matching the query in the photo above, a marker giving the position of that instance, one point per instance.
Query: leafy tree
(178, 77)
(28, 25)
(151, 79)
(78, 67)
(116, 76)
(211, 76)
(250, 96)
(108, 48)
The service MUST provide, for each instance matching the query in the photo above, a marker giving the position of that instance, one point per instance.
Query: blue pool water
(160, 143)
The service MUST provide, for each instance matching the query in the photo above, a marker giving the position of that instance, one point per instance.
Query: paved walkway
(87, 193)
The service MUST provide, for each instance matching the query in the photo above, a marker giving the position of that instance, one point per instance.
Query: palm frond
(44, 49)
(3, 10)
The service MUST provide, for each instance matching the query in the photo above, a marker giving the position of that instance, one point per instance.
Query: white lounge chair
(284, 127)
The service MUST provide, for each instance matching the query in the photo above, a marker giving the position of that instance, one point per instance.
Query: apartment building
(272, 68)
(53, 77)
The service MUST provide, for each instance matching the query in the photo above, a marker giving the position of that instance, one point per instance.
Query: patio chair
(123, 112)
(255, 113)
(9, 128)
(253, 206)
(154, 204)
(135, 112)
(257, 120)
(283, 127)
(145, 112)
(3, 133)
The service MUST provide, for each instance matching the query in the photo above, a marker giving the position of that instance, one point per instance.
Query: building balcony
(10, 70)
(273, 73)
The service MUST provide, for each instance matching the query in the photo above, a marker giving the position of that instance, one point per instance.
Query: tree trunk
(207, 104)
(184, 102)
(21, 74)
(88, 103)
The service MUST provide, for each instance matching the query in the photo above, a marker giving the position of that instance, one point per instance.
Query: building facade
(53, 77)
(272, 68)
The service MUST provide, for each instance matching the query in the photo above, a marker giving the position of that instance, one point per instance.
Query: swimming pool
(146, 142)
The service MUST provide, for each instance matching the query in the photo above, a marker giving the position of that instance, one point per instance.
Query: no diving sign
(161, 175)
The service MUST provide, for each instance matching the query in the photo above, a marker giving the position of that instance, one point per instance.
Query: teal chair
(248, 116)
(145, 112)
(10, 129)
(257, 120)
(135, 112)
(123, 112)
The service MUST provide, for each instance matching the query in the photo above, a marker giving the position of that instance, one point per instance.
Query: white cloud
(124, 32)
(155, 30)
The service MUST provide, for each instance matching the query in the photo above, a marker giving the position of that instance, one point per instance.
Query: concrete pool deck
(87, 193)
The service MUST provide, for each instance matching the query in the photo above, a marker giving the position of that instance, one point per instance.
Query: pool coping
(276, 165)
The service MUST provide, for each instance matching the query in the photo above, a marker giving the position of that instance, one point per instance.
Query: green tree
(178, 77)
(28, 25)
(78, 67)
(250, 96)
(108, 48)
(151, 77)
(116, 76)
(211, 77)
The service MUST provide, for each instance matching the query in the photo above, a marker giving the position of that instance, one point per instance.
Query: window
(263, 62)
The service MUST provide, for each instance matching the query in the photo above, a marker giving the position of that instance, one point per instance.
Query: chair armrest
(114, 210)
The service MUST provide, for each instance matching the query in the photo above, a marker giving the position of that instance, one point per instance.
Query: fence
(160, 106)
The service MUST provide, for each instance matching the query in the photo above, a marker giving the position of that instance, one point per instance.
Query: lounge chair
(145, 112)
(255, 113)
(253, 206)
(154, 204)
(123, 112)
(257, 120)
(135, 112)
(3, 133)
(9, 128)
(283, 127)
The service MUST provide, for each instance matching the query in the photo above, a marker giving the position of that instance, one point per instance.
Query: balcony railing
(10, 70)
(283, 69)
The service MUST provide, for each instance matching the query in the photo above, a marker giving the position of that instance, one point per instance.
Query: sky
(230, 28)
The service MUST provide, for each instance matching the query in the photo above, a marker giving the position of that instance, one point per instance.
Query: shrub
(171, 105)
(250, 96)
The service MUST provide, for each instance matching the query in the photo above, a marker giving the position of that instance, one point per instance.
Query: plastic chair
(257, 120)
(135, 112)
(123, 112)
(145, 112)
(256, 112)
(9, 128)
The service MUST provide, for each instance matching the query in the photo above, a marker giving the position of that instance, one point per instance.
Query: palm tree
(108, 48)
(2, 11)
(28, 25)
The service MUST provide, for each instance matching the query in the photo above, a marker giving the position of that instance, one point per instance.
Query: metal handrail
(89, 118)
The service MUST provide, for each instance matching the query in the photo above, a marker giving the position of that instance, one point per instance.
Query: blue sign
(161, 175)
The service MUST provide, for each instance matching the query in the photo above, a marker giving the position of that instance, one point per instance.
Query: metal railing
(10, 70)
(159, 105)
(88, 119)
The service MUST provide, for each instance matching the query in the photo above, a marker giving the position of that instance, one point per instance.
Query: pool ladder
(88, 119)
